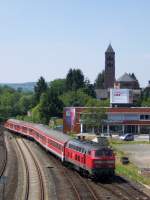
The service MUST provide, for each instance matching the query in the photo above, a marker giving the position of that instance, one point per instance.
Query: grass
(129, 170)
(117, 142)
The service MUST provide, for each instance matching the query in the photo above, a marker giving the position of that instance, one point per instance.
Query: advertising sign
(70, 117)
(121, 96)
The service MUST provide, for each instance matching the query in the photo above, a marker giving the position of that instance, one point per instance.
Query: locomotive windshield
(103, 152)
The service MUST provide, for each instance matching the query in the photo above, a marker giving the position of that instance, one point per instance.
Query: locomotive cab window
(103, 152)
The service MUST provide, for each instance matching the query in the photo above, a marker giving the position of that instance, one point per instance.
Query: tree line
(49, 99)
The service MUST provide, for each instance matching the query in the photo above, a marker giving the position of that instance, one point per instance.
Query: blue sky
(47, 37)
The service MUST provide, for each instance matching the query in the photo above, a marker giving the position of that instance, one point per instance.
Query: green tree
(146, 102)
(9, 99)
(56, 104)
(25, 103)
(94, 118)
(50, 106)
(89, 88)
(75, 98)
(74, 79)
(40, 87)
(58, 85)
(99, 82)
(44, 108)
(146, 93)
(98, 103)
(36, 114)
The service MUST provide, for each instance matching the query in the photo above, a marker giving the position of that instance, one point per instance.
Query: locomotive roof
(50, 132)
(88, 145)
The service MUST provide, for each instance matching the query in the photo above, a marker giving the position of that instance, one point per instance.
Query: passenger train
(87, 157)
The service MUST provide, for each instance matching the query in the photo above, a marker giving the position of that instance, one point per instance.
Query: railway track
(87, 189)
(26, 195)
(90, 189)
(128, 189)
(81, 188)
(3, 163)
(34, 179)
(123, 191)
(84, 188)
(4, 159)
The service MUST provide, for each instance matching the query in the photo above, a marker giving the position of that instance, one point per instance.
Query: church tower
(109, 77)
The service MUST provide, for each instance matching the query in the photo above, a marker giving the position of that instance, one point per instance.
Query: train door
(83, 160)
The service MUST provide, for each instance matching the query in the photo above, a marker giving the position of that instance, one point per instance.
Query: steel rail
(27, 171)
(38, 170)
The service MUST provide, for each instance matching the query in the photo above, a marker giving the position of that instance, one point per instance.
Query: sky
(48, 37)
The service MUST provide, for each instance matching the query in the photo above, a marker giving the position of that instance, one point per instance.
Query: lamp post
(81, 126)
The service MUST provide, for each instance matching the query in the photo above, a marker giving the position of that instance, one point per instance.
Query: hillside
(29, 86)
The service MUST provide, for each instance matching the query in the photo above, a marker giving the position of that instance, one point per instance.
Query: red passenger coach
(87, 157)
(49, 139)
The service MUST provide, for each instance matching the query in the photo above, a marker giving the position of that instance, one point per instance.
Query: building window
(145, 117)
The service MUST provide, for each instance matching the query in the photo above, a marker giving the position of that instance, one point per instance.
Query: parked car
(127, 137)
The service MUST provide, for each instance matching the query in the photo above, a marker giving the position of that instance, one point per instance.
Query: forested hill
(28, 86)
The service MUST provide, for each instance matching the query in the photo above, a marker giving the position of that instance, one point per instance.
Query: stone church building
(125, 81)
(109, 76)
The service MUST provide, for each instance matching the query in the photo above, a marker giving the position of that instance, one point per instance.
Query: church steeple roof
(110, 49)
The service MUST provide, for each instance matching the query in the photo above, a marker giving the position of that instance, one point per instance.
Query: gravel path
(139, 154)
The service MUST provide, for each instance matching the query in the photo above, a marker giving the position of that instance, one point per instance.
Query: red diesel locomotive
(85, 156)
